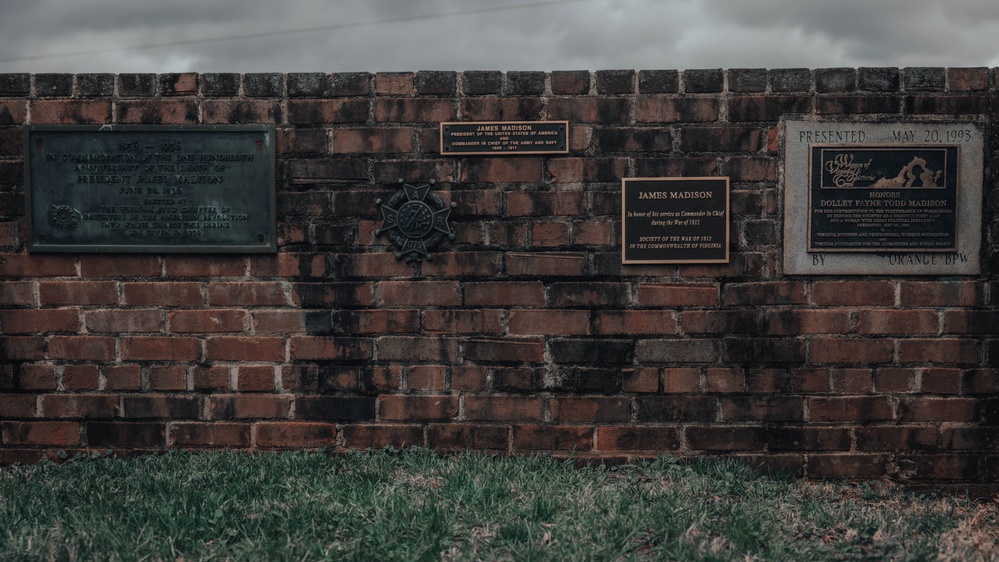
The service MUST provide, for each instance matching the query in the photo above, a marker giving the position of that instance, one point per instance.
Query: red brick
(589, 409)
(676, 110)
(894, 438)
(470, 378)
(850, 466)
(635, 322)
(726, 381)
(27, 266)
(941, 350)
(638, 438)
(419, 293)
(228, 112)
(418, 408)
(967, 79)
(172, 377)
(502, 109)
(852, 381)
(892, 380)
(543, 265)
(640, 380)
(318, 112)
(204, 266)
(853, 293)
(552, 438)
(414, 110)
(467, 437)
(898, 322)
(280, 321)
(37, 377)
(122, 377)
(284, 435)
(322, 295)
(235, 435)
(720, 139)
(503, 170)
(394, 83)
(19, 405)
(128, 435)
(74, 112)
(157, 112)
(464, 264)
(719, 438)
(226, 348)
(544, 203)
(81, 348)
(840, 350)
(549, 322)
(970, 321)
(213, 378)
(309, 347)
(294, 141)
(80, 377)
(940, 293)
(767, 292)
(124, 321)
(22, 348)
(549, 234)
(863, 104)
(206, 321)
(264, 293)
(385, 321)
(681, 380)
(941, 467)
(809, 321)
(31, 321)
(255, 378)
(417, 348)
(510, 294)
(763, 408)
(40, 433)
(163, 294)
(678, 295)
(119, 266)
(155, 348)
(502, 408)
(249, 406)
(379, 436)
(426, 377)
(981, 381)
(721, 321)
(373, 140)
(77, 292)
(933, 409)
(18, 293)
(504, 351)
(452, 321)
(849, 409)
(13, 112)
(595, 233)
(79, 406)
(590, 110)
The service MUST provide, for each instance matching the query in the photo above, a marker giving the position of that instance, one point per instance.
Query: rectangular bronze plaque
(171, 188)
(675, 220)
(492, 138)
(883, 198)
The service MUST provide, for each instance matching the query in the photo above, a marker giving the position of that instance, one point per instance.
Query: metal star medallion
(415, 220)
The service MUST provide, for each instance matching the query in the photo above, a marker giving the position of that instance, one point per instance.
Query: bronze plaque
(883, 198)
(675, 220)
(150, 188)
(493, 138)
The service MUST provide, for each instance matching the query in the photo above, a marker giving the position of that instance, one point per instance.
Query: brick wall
(525, 334)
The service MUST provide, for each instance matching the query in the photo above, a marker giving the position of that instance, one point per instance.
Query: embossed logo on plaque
(415, 220)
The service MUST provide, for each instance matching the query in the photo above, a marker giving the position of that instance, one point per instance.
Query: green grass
(416, 505)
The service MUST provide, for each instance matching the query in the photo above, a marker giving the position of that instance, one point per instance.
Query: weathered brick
(234, 435)
(160, 348)
(31, 321)
(552, 438)
(467, 437)
(677, 110)
(81, 348)
(328, 111)
(241, 112)
(590, 409)
(720, 438)
(124, 320)
(481, 82)
(126, 435)
(283, 435)
(418, 408)
(157, 112)
(335, 408)
(245, 348)
(248, 406)
(369, 436)
(34, 433)
(849, 409)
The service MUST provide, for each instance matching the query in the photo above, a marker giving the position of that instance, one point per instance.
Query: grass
(416, 505)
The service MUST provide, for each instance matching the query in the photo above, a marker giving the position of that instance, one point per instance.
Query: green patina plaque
(171, 188)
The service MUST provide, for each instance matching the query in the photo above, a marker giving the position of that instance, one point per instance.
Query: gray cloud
(591, 34)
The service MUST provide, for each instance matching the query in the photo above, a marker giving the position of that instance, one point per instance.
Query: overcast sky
(411, 35)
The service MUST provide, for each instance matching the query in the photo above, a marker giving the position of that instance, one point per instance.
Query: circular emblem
(415, 221)
(64, 216)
